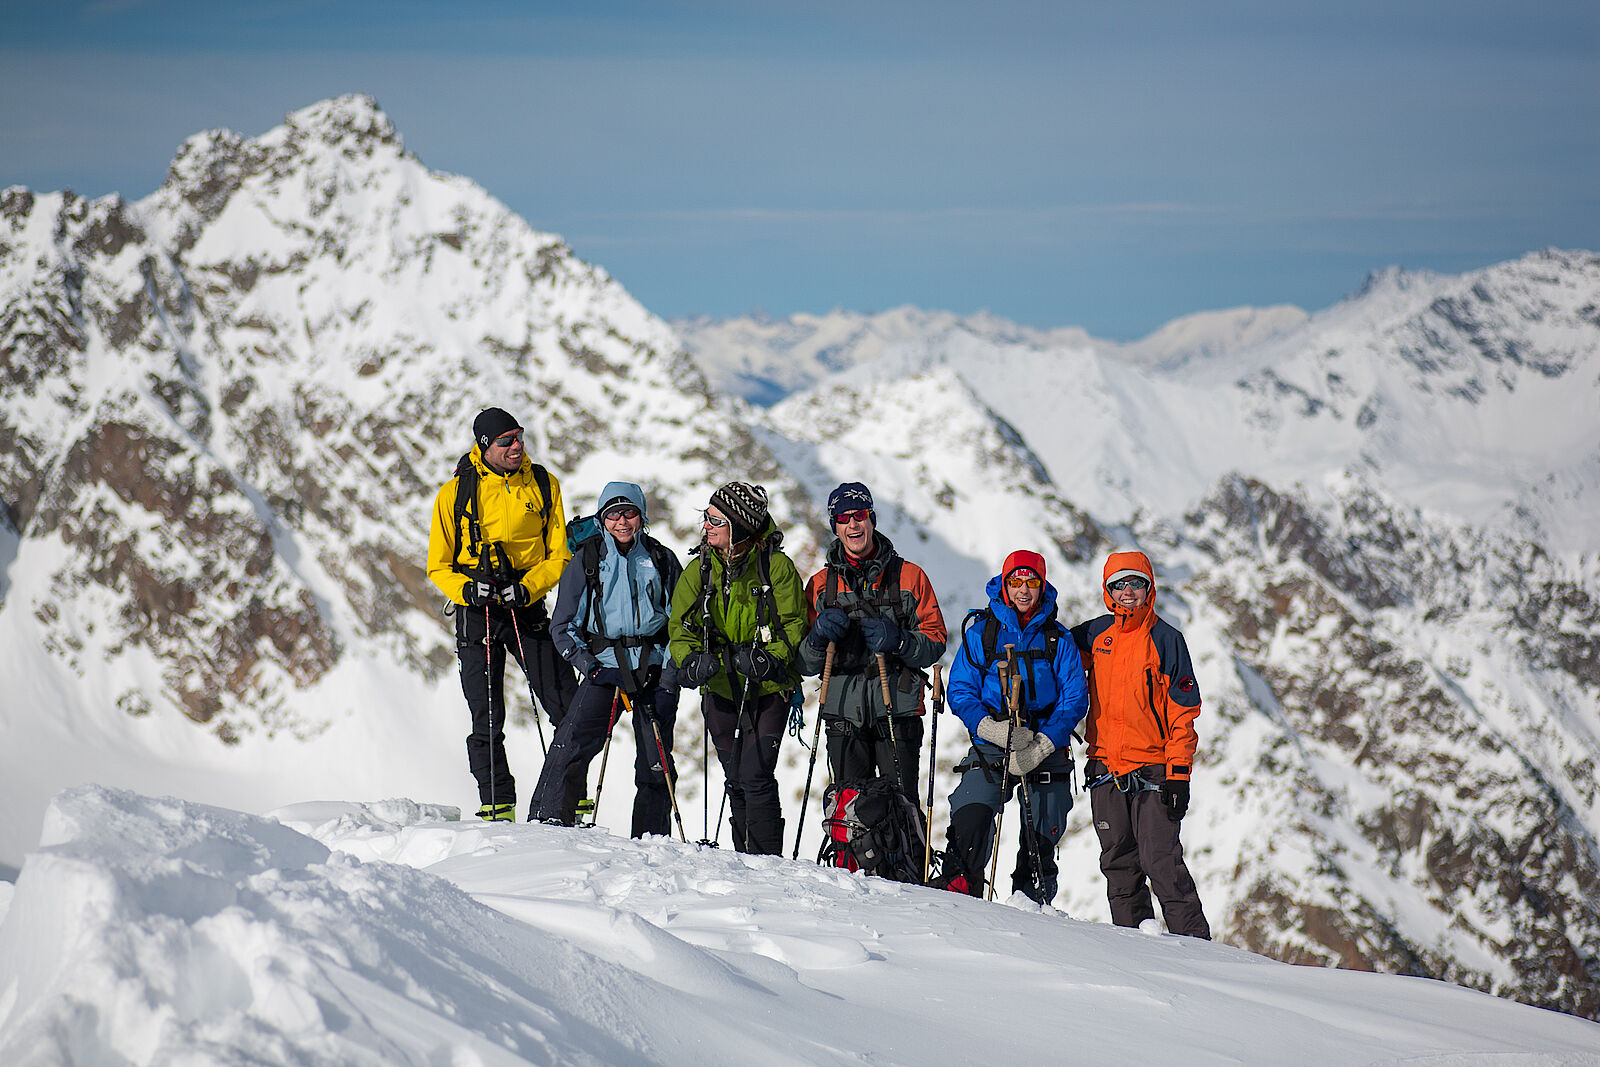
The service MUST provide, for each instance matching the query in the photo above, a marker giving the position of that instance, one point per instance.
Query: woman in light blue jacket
(610, 623)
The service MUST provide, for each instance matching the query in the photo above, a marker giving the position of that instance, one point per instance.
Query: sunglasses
(506, 440)
(716, 522)
(845, 518)
(1129, 583)
(1024, 583)
(622, 513)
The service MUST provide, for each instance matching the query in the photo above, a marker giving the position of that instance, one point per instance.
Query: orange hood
(1129, 561)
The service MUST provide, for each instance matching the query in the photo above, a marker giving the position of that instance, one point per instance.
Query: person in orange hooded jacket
(1143, 701)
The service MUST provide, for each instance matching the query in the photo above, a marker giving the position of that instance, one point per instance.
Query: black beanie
(490, 424)
(744, 506)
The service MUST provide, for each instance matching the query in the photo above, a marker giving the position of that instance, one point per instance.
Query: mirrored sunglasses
(506, 440)
(622, 513)
(1131, 582)
(845, 518)
(716, 522)
(1024, 583)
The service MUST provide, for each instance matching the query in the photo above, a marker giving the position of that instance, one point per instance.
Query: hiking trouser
(483, 684)
(858, 753)
(1138, 841)
(749, 764)
(580, 737)
(977, 799)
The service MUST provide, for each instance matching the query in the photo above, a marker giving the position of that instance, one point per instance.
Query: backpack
(587, 551)
(871, 826)
(1053, 633)
(467, 506)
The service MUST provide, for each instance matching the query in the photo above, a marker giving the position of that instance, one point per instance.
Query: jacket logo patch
(1107, 641)
(1186, 684)
(529, 505)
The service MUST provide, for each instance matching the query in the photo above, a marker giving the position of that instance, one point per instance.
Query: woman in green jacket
(738, 615)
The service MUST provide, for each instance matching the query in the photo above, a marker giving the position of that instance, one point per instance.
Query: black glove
(1175, 796)
(697, 670)
(515, 595)
(758, 665)
(480, 594)
(882, 635)
(830, 626)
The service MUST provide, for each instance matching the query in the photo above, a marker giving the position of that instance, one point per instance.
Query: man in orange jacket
(1143, 701)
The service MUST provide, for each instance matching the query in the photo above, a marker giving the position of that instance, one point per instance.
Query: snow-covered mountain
(1395, 621)
(764, 359)
(224, 410)
(151, 932)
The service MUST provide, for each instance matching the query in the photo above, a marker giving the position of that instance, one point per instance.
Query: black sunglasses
(1131, 582)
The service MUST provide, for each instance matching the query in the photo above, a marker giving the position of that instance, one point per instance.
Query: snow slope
(151, 931)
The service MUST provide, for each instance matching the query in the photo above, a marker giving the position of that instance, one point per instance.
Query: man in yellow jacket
(497, 545)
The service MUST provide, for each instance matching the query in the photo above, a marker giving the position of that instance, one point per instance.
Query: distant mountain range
(224, 410)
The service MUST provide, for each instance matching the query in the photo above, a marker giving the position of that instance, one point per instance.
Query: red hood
(1018, 559)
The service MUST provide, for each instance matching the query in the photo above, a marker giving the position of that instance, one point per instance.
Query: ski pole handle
(827, 676)
(883, 681)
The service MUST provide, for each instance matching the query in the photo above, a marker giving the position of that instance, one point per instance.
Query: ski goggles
(716, 522)
(506, 440)
(622, 513)
(845, 518)
(1134, 582)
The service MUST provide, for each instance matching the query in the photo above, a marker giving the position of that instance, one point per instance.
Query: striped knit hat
(745, 507)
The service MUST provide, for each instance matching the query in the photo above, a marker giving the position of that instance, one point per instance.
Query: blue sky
(1104, 165)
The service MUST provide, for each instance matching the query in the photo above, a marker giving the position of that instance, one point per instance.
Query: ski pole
(488, 697)
(661, 753)
(888, 714)
(605, 754)
(705, 779)
(933, 753)
(1030, 842)
(816, 738)
(738, 757)
(522, 657)
(1005, 767)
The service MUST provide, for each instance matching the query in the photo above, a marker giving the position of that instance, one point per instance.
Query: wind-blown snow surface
(153, 931)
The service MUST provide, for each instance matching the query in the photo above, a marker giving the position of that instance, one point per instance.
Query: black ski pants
(581, 736)
(1139, 842)
(483, 637)
(858, 753)
(747, 746)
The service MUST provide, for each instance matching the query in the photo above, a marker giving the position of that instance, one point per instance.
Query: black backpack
(871, 826)
(467, 507)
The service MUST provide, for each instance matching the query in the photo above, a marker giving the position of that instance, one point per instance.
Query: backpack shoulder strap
(542, 478)
(467, 506)
(766, 599)
(988, 637)
(589, 553)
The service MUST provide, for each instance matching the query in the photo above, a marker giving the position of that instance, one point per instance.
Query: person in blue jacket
(1022, 613)
(610, 623)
